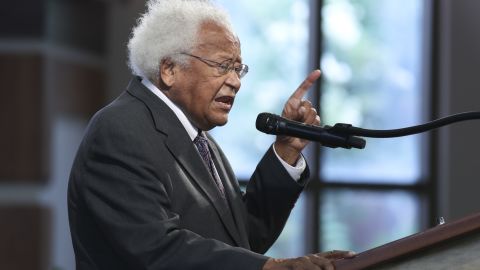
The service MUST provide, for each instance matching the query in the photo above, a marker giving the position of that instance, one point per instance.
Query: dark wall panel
(79, 90)
(22, 134)
(24, 232)
(22, 19)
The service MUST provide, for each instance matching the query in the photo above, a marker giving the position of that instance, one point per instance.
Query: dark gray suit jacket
(140, 196)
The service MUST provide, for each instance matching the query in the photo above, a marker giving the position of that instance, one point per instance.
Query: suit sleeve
(130, 204)
(270, 196)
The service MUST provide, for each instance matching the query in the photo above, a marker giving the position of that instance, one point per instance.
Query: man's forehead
(217, 46)
(213, 36)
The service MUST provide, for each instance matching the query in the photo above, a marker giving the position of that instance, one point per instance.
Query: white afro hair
(167, 28)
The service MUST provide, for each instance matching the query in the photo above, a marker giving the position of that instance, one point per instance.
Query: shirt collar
(189, 127)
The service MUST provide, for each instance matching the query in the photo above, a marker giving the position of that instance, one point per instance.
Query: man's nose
(233, 80)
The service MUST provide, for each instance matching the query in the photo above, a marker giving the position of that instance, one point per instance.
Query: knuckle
(304, 259)
(306, 103)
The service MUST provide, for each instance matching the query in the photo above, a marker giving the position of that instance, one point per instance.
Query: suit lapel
(193, 164)
(185, 153)
(231, 194)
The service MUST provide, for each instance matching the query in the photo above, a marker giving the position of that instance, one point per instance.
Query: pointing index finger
(305, 85)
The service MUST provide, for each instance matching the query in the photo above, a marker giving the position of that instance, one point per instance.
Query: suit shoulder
(124, 112)
(123, 128)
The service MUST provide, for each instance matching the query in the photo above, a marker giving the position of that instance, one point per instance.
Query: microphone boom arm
(345, 135)
(392, 133)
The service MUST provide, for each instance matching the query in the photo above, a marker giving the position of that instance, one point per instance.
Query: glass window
(352, 219)
(373, 69)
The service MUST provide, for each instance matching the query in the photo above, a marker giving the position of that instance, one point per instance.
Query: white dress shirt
(294, 171)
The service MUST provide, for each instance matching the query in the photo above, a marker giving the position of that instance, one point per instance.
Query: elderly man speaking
(150, 189)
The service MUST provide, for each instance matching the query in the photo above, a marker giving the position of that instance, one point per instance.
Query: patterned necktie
(202, 145)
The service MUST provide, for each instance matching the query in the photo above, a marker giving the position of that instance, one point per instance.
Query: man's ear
(167, 73)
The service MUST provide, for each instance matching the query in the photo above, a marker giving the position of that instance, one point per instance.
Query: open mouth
(225, 100)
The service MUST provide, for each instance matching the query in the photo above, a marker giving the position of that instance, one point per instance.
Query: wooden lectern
(454, 245)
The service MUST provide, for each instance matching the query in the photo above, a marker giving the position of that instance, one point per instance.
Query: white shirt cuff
(294, 171)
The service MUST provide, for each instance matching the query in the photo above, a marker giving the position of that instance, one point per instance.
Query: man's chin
(218, 122)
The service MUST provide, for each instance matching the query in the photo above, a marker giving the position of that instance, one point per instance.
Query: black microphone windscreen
(265, 122)
(274, 124)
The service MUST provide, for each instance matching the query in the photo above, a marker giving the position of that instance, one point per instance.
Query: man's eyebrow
(230, 58)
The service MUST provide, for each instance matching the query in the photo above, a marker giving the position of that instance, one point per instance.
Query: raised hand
(301, 110)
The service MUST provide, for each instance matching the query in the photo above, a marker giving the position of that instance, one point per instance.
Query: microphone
(277, 125)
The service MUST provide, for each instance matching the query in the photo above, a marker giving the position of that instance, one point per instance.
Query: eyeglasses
(223, 67)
